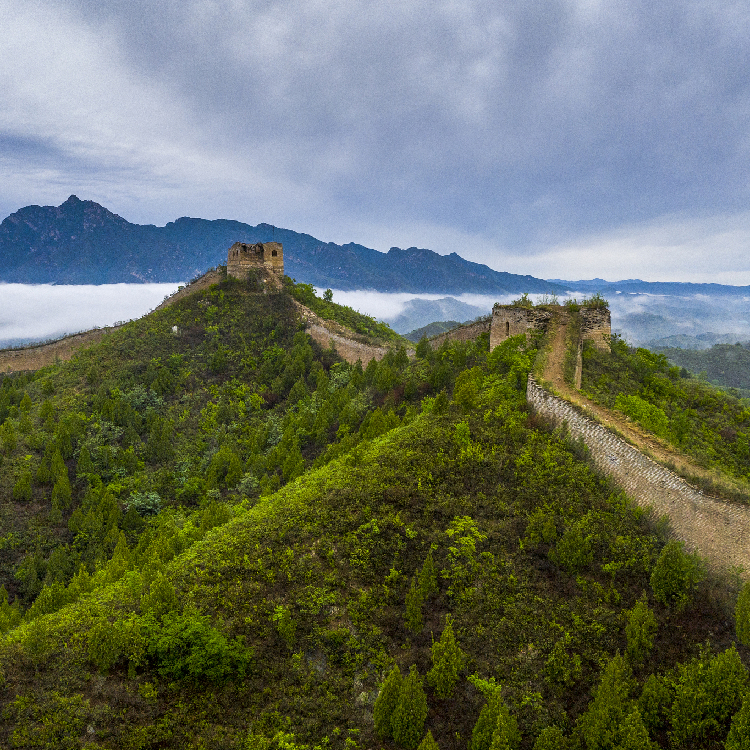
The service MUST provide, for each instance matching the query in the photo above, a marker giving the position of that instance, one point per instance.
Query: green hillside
(725, 365)
(699, 419)
(220, 536)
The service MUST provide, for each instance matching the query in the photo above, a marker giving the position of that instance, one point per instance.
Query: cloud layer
(35, 312)
(518, 134)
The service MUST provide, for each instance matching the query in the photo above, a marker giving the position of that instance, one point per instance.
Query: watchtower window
(274, 253)
(507, 328)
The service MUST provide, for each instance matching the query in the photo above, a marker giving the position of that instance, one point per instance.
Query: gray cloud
(523, 127)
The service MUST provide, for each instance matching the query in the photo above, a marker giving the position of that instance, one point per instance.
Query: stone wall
(719, 530)
(508, 320)
(243, 256)
(32, 358)
(348, 349)
(467, 332)
(596, 326)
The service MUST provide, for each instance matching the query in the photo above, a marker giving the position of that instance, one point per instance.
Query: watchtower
(266, 255)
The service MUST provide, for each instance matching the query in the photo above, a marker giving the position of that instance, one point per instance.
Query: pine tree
(447, 662)
(742, 615)
(600, 724)
(386, 703)
(428, 743)
(495, 727)
(414, 600)
(22, 488)
(407, 721)
(428, 577)
(640, 630)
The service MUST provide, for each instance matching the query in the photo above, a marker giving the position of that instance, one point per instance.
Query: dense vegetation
(725, 365)
(700, 420)
(325, 308)
(219, 536)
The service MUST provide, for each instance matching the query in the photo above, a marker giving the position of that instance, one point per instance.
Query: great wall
(719, 530)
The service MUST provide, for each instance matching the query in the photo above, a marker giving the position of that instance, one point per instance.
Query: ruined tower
(265, 255)
(510, 320)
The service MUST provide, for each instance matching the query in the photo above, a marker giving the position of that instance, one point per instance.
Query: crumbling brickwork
(265, 255)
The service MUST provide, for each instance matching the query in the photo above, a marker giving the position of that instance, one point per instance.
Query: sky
(564, 139)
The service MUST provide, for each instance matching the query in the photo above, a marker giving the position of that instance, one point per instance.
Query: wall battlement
(266, 255)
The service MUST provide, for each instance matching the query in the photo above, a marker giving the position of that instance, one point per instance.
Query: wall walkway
(719, 530)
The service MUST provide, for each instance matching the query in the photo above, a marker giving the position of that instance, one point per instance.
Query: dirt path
(719, 530)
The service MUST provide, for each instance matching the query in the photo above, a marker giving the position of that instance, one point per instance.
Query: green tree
(742, 615)
(328, 295)
(551, 738)
(428, 743)
(495, 727)
(423, 348)
(708, 691)
(447, 662)
(640, 630)
(655, 701)
(428, 577)
(414, 601)
(600, 725)
(386, 703)
(408, 718)
(739, 731)
(22, 488)
(675, 575)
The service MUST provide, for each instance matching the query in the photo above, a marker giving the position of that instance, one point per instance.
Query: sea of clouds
(38, 312)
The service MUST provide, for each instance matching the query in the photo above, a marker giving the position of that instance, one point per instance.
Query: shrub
(640, 630)
(675, 575)
(144, 503)
(708, 691)
(187, 646)
(551, 738)
(739, 732)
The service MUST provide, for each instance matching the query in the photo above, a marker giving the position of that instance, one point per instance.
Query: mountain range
(82, 242)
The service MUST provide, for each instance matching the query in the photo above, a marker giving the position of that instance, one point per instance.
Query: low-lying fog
(696, 321)
(41, 311)
(36, 312)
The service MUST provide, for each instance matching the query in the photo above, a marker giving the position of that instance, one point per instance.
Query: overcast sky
(561, 139)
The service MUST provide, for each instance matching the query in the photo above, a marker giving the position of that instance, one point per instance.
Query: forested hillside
(702, 421)
(216, 535)
(725, 365)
